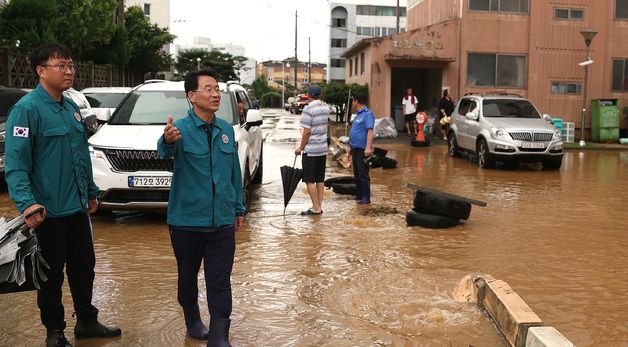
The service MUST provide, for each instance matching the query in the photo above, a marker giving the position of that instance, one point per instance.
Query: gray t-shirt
(315, 117)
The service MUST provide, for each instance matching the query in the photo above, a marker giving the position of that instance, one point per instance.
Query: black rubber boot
(194, 324)
(56, 338)
(85, 331)
(219, 332)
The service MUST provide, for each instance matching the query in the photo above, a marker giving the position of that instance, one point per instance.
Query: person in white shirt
(410, 105)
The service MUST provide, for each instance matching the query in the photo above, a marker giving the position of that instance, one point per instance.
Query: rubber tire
(488, 161)
(389, 163)
(380, 151)
(425, 143)
(377, 161)
(259, 174)
(452, 145)
(442, 205)
(430, 221)
(344, 188)
(552, 164)
(342, 179)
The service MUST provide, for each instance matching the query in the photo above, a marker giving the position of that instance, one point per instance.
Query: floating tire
(415, 143)
(389, 163)
(344, 188)
(342, 179)
(441, 204)
(430, 221)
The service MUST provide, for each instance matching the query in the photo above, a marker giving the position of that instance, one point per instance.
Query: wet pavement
(344, 279)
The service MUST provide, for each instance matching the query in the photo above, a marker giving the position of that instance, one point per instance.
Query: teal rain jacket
(47, 156)
(206, 186)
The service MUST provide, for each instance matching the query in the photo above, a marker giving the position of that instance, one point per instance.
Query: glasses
(215, 90)
(62, 67)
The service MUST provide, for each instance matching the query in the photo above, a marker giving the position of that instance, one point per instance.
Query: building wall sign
(417, 44)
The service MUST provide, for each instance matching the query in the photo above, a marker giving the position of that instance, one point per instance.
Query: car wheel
(441, 204)
(485, 159)
(246, 187)
(342, 179)
(452, 146)
(552, 164)
(259, 174)
(430, 221)
(344, 188)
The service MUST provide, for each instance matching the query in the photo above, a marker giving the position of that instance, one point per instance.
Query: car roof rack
(494, 94)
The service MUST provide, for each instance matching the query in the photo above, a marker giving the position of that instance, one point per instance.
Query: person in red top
(409, 106)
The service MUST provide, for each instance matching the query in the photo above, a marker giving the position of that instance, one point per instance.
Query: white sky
(264, 27)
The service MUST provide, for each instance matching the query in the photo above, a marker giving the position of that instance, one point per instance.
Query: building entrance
(426, 84)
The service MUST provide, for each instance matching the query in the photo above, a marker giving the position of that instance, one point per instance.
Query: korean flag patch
(20, 132)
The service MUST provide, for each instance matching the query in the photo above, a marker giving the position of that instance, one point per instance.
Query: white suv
(124, 156)
(503, 128)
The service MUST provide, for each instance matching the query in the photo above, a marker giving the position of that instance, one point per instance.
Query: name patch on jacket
(225, 139)
(20, 132)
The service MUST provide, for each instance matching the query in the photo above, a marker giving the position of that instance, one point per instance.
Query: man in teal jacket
(205, 206)
(49, 174)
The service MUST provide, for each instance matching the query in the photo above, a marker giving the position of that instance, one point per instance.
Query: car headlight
(2, 137)
(96, 153)
(498, 132)
(557, 135)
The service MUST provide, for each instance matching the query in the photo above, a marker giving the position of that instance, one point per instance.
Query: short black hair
(361, 97)
(445, 92)
(191, 79)
(48, 51)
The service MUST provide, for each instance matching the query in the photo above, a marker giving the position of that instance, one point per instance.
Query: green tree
(117, 52)
(260, 86)
(337, 95)
(146, 42)
(223, 64)
(26, 24)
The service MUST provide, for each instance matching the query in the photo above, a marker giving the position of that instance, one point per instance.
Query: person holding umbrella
(313, 144)
(205, 206)
(361, 143)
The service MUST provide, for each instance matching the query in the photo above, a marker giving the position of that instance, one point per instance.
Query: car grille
(132, 161)
(530, 136)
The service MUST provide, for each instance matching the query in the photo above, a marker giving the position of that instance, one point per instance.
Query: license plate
(533, 145)
(149, 181)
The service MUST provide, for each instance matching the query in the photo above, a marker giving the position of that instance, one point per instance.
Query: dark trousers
(361, 174)
(216, 249)
(67, 241)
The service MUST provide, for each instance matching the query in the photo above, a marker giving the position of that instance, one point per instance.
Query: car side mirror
(91, 125)
(471, 116)
(253, 118)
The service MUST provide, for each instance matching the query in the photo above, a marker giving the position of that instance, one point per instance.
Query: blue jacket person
(48, 169)
(361, 143)
(205, 206)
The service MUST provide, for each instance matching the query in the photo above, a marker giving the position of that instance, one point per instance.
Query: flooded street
(344, 279)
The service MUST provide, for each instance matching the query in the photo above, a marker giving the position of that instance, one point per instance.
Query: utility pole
(296, 60)
(398, 16)
(309, 61)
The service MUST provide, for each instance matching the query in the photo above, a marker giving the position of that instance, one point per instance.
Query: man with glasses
(205, 206)
(49, 175)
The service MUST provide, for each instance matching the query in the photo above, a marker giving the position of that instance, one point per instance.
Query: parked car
(289, 104)
(124, 156)
(8, 98)
(104, 100)
(503, 128)
(88, 114)
(302, 101)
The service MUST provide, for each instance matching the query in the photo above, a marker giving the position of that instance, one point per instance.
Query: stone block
(509, 312)
(546, 337)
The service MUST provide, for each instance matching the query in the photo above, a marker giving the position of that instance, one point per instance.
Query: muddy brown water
(343, 279)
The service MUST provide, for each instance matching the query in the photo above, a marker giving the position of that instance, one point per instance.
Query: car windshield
(104, 100)
(510, 109)
(153, 107)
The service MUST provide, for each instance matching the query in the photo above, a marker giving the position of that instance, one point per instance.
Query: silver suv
(503, 128)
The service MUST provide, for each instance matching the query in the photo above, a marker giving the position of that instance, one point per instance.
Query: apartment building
(280, 72)
(530, 48)
(352, 22)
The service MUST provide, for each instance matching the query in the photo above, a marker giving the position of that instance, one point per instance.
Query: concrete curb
(514, 319)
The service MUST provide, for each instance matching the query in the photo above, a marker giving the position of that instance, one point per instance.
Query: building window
(384, 11)
(350, 67)
(621, 9)
(271, 79)
(304, 70)
(620, 75)
(339, 43)
(339, 22)
(565, 87)
(568, 13)
(496, 70)
(304, 80)
(337, 63)
(147, 9)
(362, 63)
(355, 65)
(513, 6)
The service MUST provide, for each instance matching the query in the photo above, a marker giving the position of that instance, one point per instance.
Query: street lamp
(198, 64)
(283, 76)
(588, 35)
(283, 83)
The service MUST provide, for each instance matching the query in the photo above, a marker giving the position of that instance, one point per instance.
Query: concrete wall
(428, 12)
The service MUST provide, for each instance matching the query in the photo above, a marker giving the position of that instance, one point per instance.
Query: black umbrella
(290, 177)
